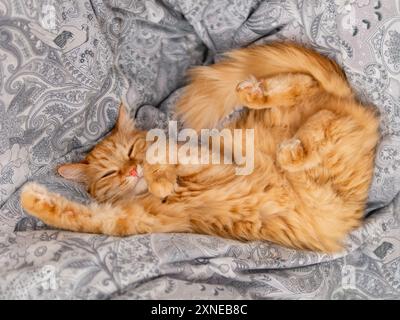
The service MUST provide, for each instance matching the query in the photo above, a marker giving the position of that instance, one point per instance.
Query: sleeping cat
(314, 156)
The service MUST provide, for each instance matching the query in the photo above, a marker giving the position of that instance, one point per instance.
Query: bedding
(65, 65)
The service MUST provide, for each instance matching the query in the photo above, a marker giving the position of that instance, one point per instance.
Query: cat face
(114, 168)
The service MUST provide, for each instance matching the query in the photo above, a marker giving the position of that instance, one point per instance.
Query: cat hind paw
(290, 153)
(252, 92)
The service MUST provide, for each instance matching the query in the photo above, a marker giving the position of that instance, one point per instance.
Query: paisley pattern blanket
(64, 67)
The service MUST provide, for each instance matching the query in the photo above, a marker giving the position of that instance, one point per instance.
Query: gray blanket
(64, 67)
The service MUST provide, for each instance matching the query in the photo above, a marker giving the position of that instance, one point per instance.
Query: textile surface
(65, 65)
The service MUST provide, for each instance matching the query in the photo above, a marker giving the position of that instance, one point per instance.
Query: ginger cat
(314, 155)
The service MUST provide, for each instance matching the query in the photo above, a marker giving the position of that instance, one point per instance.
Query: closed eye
(108, 174)
(130, 150)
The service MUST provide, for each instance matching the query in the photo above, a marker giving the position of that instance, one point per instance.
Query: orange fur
(314, 152)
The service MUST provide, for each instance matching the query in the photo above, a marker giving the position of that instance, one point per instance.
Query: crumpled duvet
(66, 64)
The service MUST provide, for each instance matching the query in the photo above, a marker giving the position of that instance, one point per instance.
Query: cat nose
(132, 172)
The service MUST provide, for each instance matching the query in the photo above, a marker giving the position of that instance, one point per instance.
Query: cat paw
(252, 92)
(162, 188)
(36, 199)
(290, 153)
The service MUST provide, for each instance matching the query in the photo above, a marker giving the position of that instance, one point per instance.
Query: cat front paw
(36, 199)
(252, 93)
(162, 188)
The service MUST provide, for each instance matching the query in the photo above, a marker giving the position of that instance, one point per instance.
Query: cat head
(114, 168)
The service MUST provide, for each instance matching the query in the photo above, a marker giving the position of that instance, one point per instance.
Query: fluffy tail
(212, 88)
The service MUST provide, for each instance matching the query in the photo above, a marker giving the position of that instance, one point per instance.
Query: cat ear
(73, 171)
(124, 121)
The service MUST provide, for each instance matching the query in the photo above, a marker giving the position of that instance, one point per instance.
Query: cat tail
(210, 96)
(115, 220)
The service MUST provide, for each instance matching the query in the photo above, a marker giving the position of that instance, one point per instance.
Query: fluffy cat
(314, 155)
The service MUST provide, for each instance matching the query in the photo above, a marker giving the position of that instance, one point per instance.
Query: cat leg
(283, 90)
(60, 212)
(116, 220)
(303, 151)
